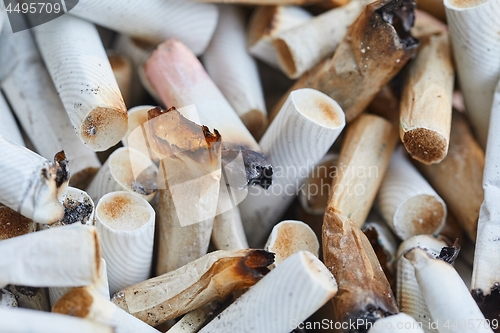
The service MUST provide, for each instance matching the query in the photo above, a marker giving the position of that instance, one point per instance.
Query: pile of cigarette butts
(263, 166)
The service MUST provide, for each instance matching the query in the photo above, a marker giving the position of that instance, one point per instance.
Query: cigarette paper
(290, 293)
(80, 69)
(65, 257)
(309, 124)
(30, 184)
(122, 70)
(227, 232)
(126, 169)
(372, 52)
(465, 161)
(301, 48)
(234, 71)
(445, 294)
(13, 224)
(206, 279)
(125, 221)
(31, 297)
(86, 302)
(192, 23)
(400, 322)
(408, 204)
(28, 321)
(410, 298)
(266, 23)
(474, 37)
(425, 118)
(7, 299)
(8, 125)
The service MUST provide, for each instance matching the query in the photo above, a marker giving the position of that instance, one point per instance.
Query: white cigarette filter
(27, 321)
(474, 38)
(59, 257)
(408, 204)
(299, 49)
(31, 297)
(30, 184)
(154, 22)
(234, 71)
(289, 294)
(126, 169)
(45, 122)
(409, 296)
(125, 223)
(400, 322)
(122, 70)
(7, 299)
(266, 23)
(82, 74)
(448, 299)
(86, 302)
(290, 237)
(306, 127)
(13, 224)
(8, 125)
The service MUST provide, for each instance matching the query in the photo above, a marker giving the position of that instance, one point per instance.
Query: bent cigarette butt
(291, 292)
(400, 322)
(7, 299)
(65, 257)
(30, 184)
(266, 23)
(13, 224)
(206, 279)
(445, 294)
(475, 50)
(30, 297)
(122, 70)
(27, 321)
(8, 125)
(409, 205)
(86, 84)
(86, 302)
(290, 237)
(425, 118)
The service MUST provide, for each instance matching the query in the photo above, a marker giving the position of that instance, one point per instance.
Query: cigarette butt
(13, 224)
(474, 50)
(425, 118)
(266, 23)
(27, 321)
(7, 299)
(227, 232)
(234, 71)
(407, 202)
(289, 293)
(78, 208)
(122, 70)
(206, 279)
(464, 161)
(400, 322)
(192, 23)
(30, 297)
(85, 84)
(125, 220)
(427, 25)
(8, 125)
(445, 293)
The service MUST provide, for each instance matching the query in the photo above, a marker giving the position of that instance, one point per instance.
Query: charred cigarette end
(76, 302)
(61, 169)
(368, 316)
(76, 211)
(488, 304)
(13, 224)
(372, 234)
(258, 170)
(425, 146)
(104, 126)
(401, 15)
(450, 253)
(256, 263)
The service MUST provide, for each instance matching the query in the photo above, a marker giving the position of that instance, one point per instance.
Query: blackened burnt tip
(401, 15)
(61, 168)
(76, 211)
(258, 169)
(450, 253)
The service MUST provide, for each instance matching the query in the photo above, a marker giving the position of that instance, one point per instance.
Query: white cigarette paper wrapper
(156, 20)
(59, 257)
(125, 223)
(82, 74)
(399, 323)
(122, 70)
(474, 28)
(28, 321)
(407, 202)
(8, 125)
(227, 231)
(288, 294)
(446, 295)
(234, 71)
(308, 124)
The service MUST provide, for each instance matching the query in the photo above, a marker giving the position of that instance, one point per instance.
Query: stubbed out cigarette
(78, 208)
(126, 169)
(400, 322)
(410, 299)
(30, 184)
(266, 23)
(290, 237)
(301, 48)
(8, 126)
(13, 224)
(192, 23)
(86, 302)
(308, 124)
(206, 279)
(289, 294)
(30, 297)
(464, 162)
(125, 221)
(122, 69)
(7, 299)
(445, 294)
(84, 80)
(475, 51)
(377, 45)
(425, 118)
(234, 71)
(409, 205)
(65, 257)
(27, 321)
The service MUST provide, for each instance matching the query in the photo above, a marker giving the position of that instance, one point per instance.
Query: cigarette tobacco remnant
(76, 211)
